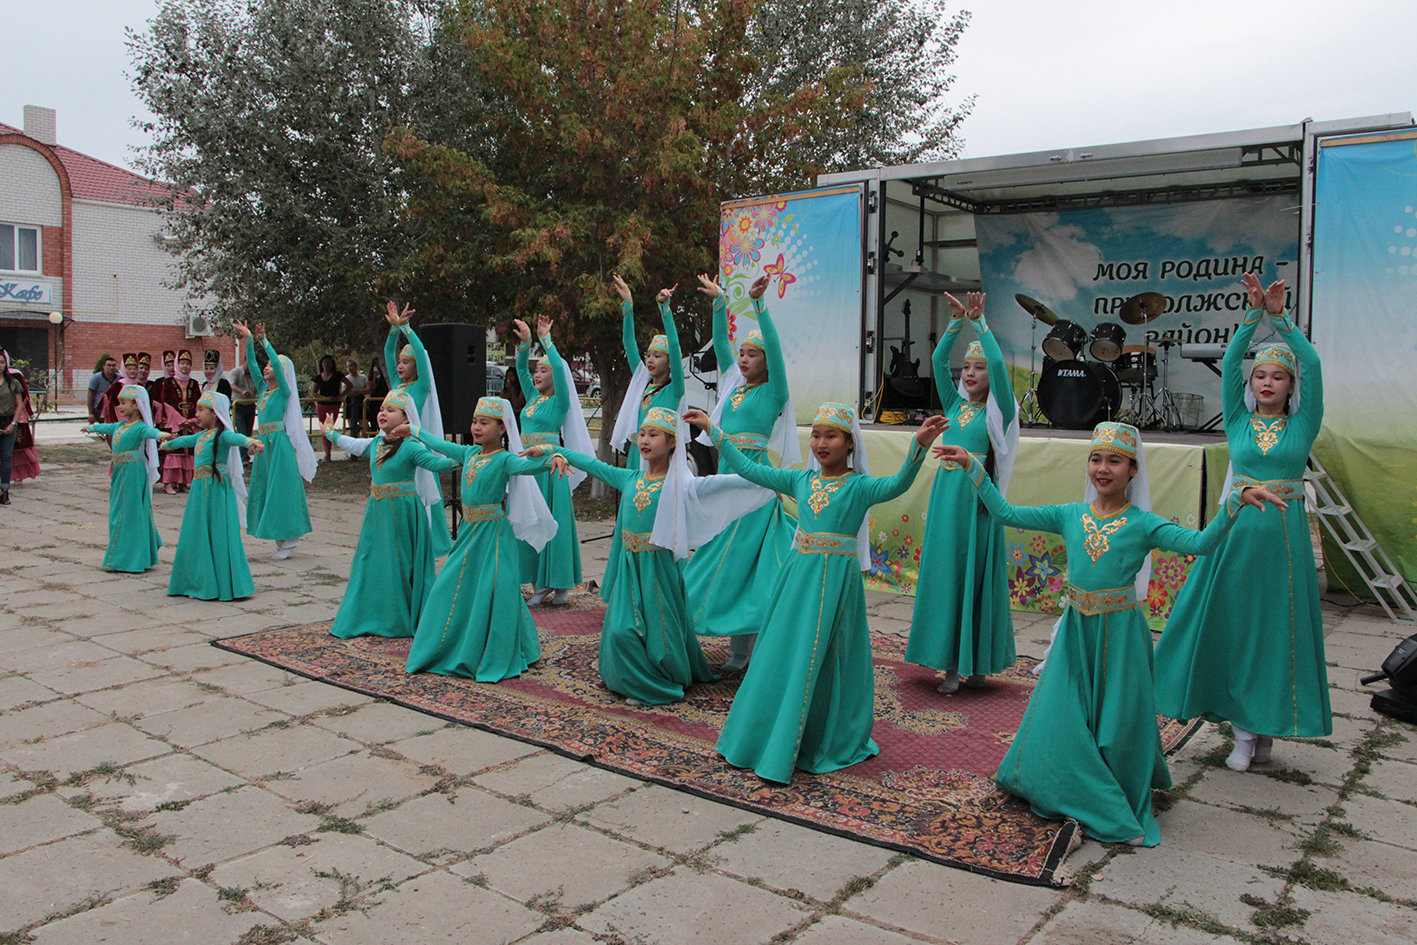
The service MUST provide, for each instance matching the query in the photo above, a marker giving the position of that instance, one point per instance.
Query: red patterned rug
(929, 792)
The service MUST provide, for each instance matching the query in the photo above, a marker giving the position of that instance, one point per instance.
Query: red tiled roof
(92, 179)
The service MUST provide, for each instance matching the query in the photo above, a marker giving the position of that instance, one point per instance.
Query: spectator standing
(17, 452)
(354, 397)
(327, 390)
(106, 377)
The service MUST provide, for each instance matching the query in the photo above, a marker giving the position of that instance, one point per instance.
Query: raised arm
(772, 348)
(614, 476)
(391, 350)
(1232, 367)
(253, 369)
(999, 380)
(676, 358)
(524, 368)
(627, 333)
(1311, 380)
(420, 387)
(885, 488)
(722, 346)
(778, 480)
(940, 365)
(276, 369)
(562, 396)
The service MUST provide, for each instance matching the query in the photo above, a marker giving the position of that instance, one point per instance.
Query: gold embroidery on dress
(1267, 434)
(648, 399)
(644, 490)
(1097, 544)
(536, 402)
(968, 411)
(476, 463)
(737, 398)
(822, 493)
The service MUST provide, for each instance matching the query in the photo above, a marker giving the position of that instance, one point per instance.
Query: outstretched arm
(1043, 518)
(778, 480)
(772, 348)
(613, 476)
(425, 458)
(353, 445)
(446, 447)
(885, 488)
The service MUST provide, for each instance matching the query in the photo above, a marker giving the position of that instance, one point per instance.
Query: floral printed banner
(1049, 470)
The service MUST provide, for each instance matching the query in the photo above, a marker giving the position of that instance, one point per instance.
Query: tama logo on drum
(1072, 372)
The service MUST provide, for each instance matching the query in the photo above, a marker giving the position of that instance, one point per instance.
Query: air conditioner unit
(199, 326)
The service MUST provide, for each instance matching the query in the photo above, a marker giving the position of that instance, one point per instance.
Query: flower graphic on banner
(1042, 567)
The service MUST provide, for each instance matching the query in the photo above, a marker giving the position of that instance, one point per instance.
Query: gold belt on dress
(541, 439)
(747, 441)
(483, 513)
(392, 490)
(1284, 488)
(120, 458)
(636, 541)
(205, 472)
(1107, 601)
(824, 543)
(266, 428)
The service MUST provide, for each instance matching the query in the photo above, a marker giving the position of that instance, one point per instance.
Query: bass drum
(1078, 395)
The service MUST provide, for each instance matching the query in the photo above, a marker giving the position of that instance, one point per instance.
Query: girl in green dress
(961, 623)
(415, 375)
(475, 623)
(393, 565)
(1245, 640)
(133, 540)
(658, 378)
(1088, 746)
(648, 651)
(808, 698)
(210, 563)
(731, 579)
(277, 509)
(552, 415)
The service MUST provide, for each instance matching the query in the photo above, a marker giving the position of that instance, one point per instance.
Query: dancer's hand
(930, 430)
(975, 311)
(520, 329)
(956, 306)
(543, 327)
(396, 318)
(709, 286)
(255, 447)
(664, 295)
(241, 329)
(759, 286)
(532, 452)
(398, 432)
(621, 289)
(166, 437)
(260, 333)
(561, 466)
(1271, 299)
(947, 453)
(1258, 496)
(695, 417)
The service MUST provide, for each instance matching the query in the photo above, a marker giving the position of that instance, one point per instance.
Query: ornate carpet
(928, 793)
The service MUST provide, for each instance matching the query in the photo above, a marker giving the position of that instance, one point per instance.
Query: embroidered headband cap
(835, 415)
(659, 343)
(755, 338)
(169, 356)
(213, 400)
(144, 359)
(211, 356)
(490, 407)
(407, 352)
(1279, 355)
(662, 418)
(184, 355)
(400, 399)
(131, 392)
(1119, 438)
(130, 360)
(976, 351)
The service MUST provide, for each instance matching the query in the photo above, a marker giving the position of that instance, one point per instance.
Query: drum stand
(1163, 404)
(1149, 408)
(1028, 408)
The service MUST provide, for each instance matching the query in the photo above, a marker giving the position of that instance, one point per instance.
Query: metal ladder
(1347, 530)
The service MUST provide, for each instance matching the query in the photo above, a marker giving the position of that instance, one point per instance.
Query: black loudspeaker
(458, 354)
(1399, 669)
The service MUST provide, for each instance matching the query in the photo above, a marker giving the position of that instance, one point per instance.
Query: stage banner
(809, 243)
(1183, 260)
(1365, 328)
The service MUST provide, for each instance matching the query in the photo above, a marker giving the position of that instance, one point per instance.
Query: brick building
(82, 238)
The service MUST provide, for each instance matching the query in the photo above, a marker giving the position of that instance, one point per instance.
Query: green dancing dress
(133, 540)
(730, 579)
(210, 562)
(669, 396)
(419, 389)
(808, 698)
(393, 566)
(1088, 746)
(1245, 640)
(275, 505)
(961, 618)
(475, 623)
(558, 565)
(648, 650)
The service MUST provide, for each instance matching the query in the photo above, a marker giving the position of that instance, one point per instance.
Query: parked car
(587, 384)
(496, 379)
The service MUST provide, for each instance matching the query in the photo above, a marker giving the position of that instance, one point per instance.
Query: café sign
(26, 293)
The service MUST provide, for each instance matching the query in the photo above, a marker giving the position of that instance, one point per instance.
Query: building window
(19, 248)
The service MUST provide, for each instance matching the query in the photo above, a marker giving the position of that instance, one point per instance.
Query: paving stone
(86, 675)
(378, 723)
(307, 697)
(39, 820)
(1094, 923)
(1340, 918)
(965, 908)
(1243, 838)
(354, 783)
(1182, 880)
(17, 691)
(18, 638)
(460, 749)
(96, 864)
(246, 676)
(839, 930)
(192, 915)
(111, 619)
(1394, 779)
(457, 824)
(786, 856)
(1403, 746)
(692, 907)
(115, 743)
(434, 908)
(69, 606)
(182, 610)
(60, 654)
(216, 717)
(670, 819)
(566, 936)
(1305, 803)
(168, 779)
(271, 750)
(146, 698)
(556, 782)
(57, 717)
(1388, 821)
(552, 863)
(193, 656)
(225, 826)
(1375, 865)
(293, 883)
(1324, 765)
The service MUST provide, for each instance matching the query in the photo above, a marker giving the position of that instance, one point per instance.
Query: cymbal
(1037, 309)
(1166, 342)
(1140, 309)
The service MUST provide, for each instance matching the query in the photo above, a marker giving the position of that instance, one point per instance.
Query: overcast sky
(1047, 74)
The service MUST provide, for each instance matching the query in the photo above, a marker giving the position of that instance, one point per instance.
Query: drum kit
(1089, 378)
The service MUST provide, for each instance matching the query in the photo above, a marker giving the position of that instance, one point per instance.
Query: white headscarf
(215, 378)
(1004, 441)
(295, 425)
(221, 406)
(1139, 495)
(531, 517)
(145, 408)
(574, 432)
(425, 482)
(857, 460)
(692, 510)
(783, 439)
(627, 421)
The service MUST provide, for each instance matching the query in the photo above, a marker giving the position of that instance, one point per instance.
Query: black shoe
(5, 497)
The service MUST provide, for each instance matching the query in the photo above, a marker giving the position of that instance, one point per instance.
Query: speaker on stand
(1400, 670)
(457, 354)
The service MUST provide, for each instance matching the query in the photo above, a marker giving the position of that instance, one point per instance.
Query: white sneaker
(1244, 752)
(951, 683)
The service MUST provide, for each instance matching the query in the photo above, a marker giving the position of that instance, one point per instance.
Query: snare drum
(1107, 341)
(1078, 395)
(1137, 364)
(1065, 342)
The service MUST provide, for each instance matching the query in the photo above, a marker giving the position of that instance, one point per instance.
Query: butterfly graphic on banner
(784, 278)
